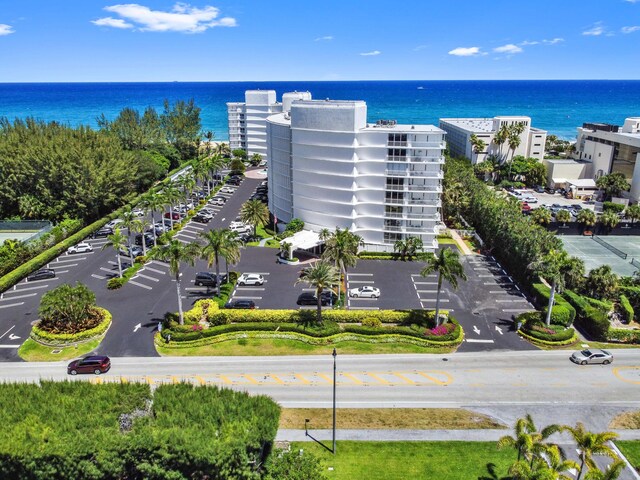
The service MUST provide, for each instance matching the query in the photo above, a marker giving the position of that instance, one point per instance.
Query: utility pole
(335, 354)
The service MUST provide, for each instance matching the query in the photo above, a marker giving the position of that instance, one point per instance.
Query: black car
(103, 232)
(309, 298)
(244, 304)
(201, 219)
(550, 190)
(539, 189)
(233, 181)
(42, 274)
(148, 239)
(208, 279)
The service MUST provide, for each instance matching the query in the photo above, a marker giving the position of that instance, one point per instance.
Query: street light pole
(335, 354)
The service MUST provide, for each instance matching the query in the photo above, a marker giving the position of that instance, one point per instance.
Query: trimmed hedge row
(623, 335)
(63, 339)
(392, 256)
(539, 341)
(534, 328)
(593, 319)
(627, 309)
(562, 313)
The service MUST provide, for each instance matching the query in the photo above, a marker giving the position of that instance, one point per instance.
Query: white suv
(250, 279)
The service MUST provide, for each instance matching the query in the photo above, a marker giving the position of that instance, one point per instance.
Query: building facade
(329, 168)
(247, 120)
(460, 130)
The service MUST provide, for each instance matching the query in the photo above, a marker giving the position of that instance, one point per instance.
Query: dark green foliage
(293, 466)
(240, 153)
(72, 430)
(613, 184)
(633, 295)
(295, 225)
(551, 333)
(237, 166)
(594, 319)
(67, 309)
(627, 309)
(562, 313)
(613, 207)
(182, 126)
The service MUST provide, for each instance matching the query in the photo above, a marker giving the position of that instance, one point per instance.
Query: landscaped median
(533, 328)
(206, 325)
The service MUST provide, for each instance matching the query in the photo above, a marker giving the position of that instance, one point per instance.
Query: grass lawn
(631, 450)
(410, 460)
(626, 420)
(271, 347)
(446, 241)
(32, 351)
(387, 418)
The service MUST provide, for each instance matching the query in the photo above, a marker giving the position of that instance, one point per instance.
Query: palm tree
(590, 444)
(514, 140)
(321, 275)
(222, 149)
(201, 173)
(586, 217)
(324, 234)
(219, 243)
(341, 248)
(170, 195)
(553, 267)
(176, 253)
(139, 226)
(255, 213)
(477, 144)
(601, 283)
(612, 472)
(285, 249)
(541, 215)
(208, 136)
(563, 216)
(550, 465)
(117, 241)
(500, 137)
(609, 220)
(154, 202)
(128, 217)
(447, 264)
(187, 183)
(633, 213)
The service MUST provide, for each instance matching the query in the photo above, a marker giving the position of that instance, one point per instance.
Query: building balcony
(413, 216)
(391, 143)
(415, 173)
(423, 202)
(417, 144)
(411, 188)
(402, 229)
(409, 159)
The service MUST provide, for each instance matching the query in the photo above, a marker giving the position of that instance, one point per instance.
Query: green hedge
(539, 341)
(62, 339)
(562, 313)
(633, 295)
(552, 333)
(623, 335)
(593, 319)
(613, 207)
(627, 309)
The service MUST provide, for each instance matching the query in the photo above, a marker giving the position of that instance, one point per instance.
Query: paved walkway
(263, 242)
(461, 245)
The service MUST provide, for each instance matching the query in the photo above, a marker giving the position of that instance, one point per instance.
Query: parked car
(96, 364)
(114, 223)
(175, 216)
(250, 279)
(80, 248)
(148, 239)
(550, 190)
(309, 298)
(233, 181)
(201, 218)
(227, 190)
(592, 355)
(576, 207)
(525, 207)
(530, 199)
(103, 232)
(131, 251)
(42, 274)
(208, 279)
(365, 292)
(539, 189)
(139, 212)
(244, 304)
(217, 201)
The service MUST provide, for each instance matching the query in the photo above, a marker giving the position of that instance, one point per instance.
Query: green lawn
(268, 347)
(631, 450)
(32, 351)
(410, 460)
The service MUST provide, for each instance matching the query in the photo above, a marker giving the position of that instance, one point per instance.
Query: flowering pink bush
(196, 327)
(440, 330)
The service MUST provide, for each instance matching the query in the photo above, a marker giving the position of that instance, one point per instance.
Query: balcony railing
(416, 159)
(418, 144)
(401, 229)
(411, 188)
(392, 143)
(414, 173)
(412, 216)
(412, 201)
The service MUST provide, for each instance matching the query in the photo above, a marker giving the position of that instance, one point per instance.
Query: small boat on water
(420, 88)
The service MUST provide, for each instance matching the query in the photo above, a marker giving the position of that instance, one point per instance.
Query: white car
(227, 190)
(365, 292)
(80, 248)
(138, 212)
(205, 214)
(241, 228)
(250, 279)
(114, 223)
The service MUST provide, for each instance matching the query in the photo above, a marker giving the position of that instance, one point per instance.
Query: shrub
(613, 207)
(525, 317)
(67, 309)
(562, 313)
(41, 335)
(623, 335)
(593, 319)
(371, 322)
(551, 333)
(115, 283)
(627, 309)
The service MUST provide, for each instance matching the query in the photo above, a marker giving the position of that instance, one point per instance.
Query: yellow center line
(379, 379)
(149, 380)
(124, 380)
(433, 379)
(406, 379)
(277, 379)
(200, 380)
(97, 380)
(325, 377)
(353, 378)
(225, 379)
(302, 379)
(618, 374)
(175, 379)
(252, 380)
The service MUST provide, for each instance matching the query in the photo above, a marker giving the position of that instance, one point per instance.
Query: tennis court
(15, 236)
(594, 254)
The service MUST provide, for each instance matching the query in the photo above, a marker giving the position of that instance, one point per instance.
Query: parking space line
(427, 291)
(15, 297)
(246, 297)
(196, 227)
(153, 270)
(360, 275)
(29, 282)
(181, 240)
(100, 277)
(425, 283)
(516, 309)
(251, 288)
(25, 289)
(97, 242)
(360, 281)
(60, 271)
(12, 305)
(147, 277)
(353, 307)
(106, 270)
(198, 289)
(140, 285)
(192, 237)
(157, 262)
(511, 301)
(363, 298)
(442, 300)
(477, 340)
(498, 283)
(71, 258)
(66, 265)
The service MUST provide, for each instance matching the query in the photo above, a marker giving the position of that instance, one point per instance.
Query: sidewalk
(461, 245)
(379, 435)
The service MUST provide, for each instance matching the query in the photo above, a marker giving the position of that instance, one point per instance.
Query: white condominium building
(459, 131)
(247, 120)
(329, 168)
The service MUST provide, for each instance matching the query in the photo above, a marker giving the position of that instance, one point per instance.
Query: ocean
(558, 106)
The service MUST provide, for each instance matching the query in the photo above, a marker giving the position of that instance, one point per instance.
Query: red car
(176, 216)
(525, 207)
(92, 364)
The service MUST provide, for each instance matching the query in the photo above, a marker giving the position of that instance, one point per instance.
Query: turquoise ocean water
(557, 106)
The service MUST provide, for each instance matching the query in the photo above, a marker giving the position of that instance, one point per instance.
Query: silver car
(592, 355)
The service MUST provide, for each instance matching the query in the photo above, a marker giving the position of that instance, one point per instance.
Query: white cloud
(527, 42)
(633, 1)
(635, 28)
(509, 49)
(371, 54)
(465, 51)
(595, 31)
(326, 38)
(6, 29)
(112, 22)
(553, 41)
(420, 47)
(182, 18)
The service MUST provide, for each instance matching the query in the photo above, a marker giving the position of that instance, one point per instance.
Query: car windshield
(586, 353)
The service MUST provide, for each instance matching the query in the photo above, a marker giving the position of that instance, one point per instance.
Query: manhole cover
(445, 359)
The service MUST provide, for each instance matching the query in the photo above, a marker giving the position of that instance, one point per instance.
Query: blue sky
(211, 40)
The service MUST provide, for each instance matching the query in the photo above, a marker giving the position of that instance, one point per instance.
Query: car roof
(96, 357)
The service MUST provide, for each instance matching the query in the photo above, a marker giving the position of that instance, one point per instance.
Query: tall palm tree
(154, 202)
(175, 253)
(612, 472)
(527, 440)
(553, 267)
(550, 465)
(590, 444)
(320, 276)
(219, 243)
(139, 225)
(447, 264)
(201, 173)
(500, 137)
(128, 217)
(222, 149)
(186, 183)
(587, 218)
(477, 144)
(255, 213)
(117, 241)
(170, 195)
(324, 234)
(342, 249)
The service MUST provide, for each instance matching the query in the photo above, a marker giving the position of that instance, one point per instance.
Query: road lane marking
(225, 379)
(100, 277)
(327, 378)
(406, 379)
(302, 379)
(378, 378)
(477, 340)
(12, 305)
(353, 378)
(25, 289)
(15, 297)
(140, 285)
(448, 380)
(617, 371)
(251, 379)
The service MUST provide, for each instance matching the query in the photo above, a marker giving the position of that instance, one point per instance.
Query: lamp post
(306, 426)
(335, 354)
